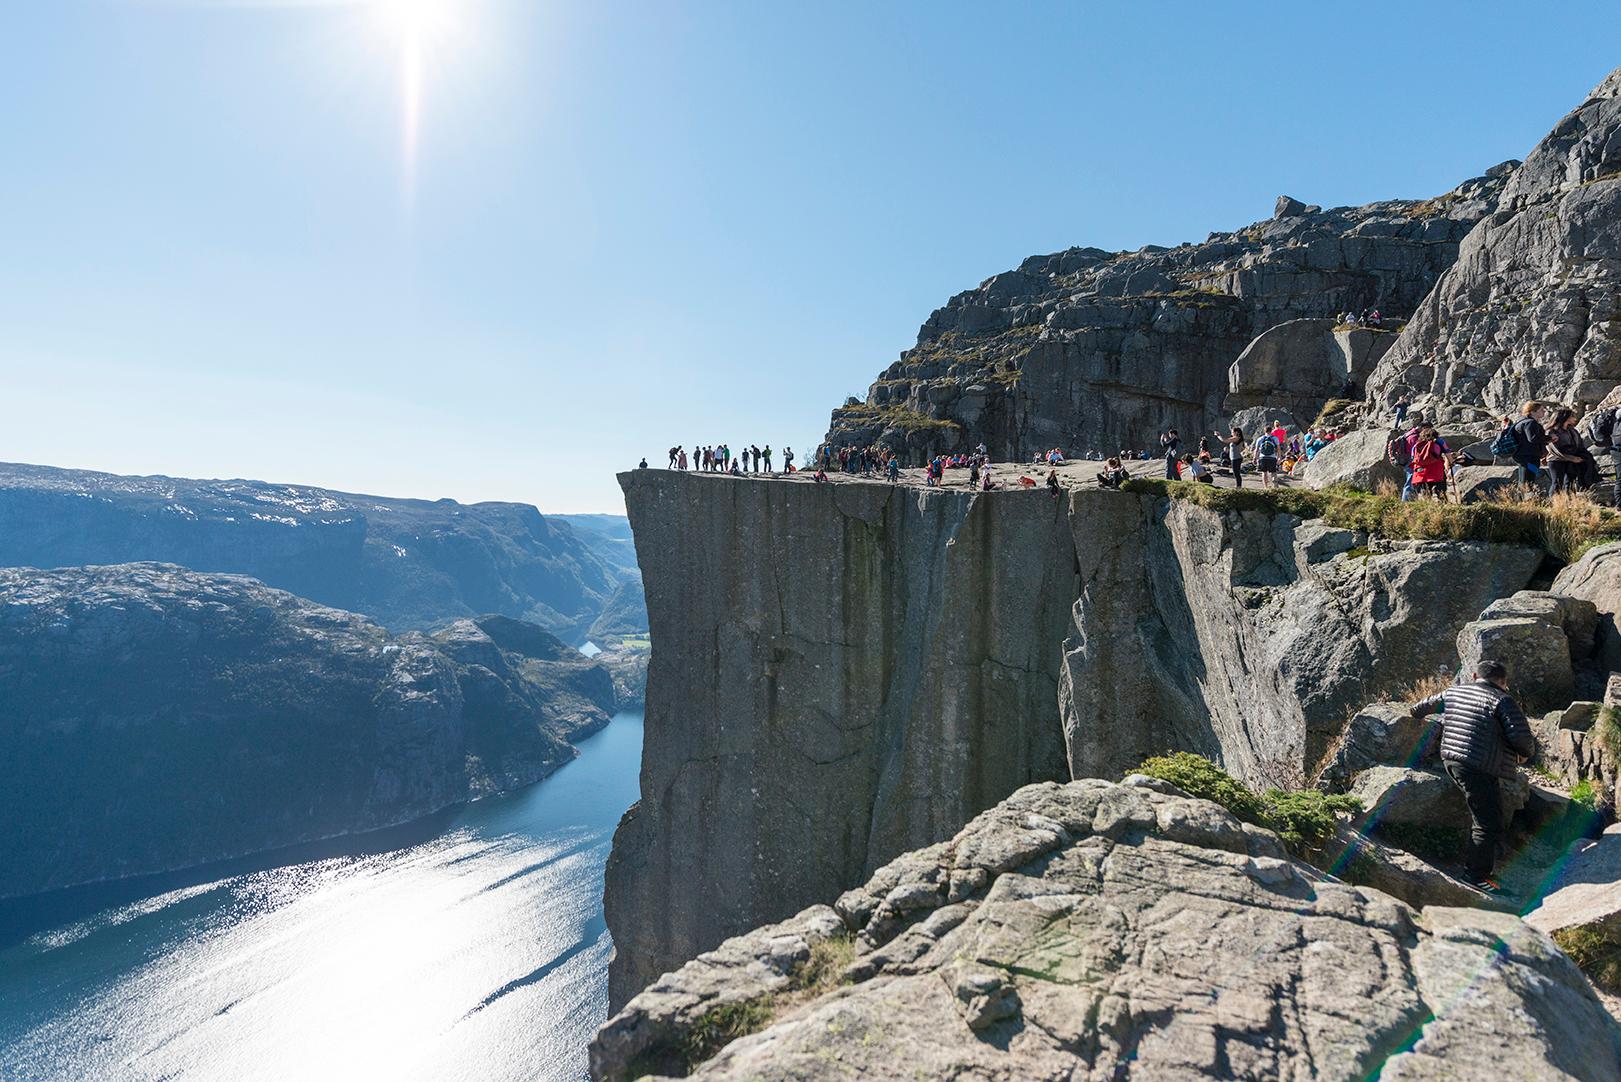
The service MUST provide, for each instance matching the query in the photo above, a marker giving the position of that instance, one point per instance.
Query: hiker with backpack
(1427, 464)
(1526, 442)
(1399, 453)
(1233, 452)
(1403, 404)
(1266, 458)
(1482, 734)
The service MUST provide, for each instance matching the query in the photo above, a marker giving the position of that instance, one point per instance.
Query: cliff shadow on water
(848, 671)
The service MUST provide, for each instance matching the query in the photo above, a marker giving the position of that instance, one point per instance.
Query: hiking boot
(1487, 886)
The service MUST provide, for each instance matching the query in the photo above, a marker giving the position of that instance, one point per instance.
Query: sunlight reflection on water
(477, 954)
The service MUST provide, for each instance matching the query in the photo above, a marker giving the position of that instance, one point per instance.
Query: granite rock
(1106, 930)
(1532, 307)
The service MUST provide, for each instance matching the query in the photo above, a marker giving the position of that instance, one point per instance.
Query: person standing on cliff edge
(1483, 733)
(1170, 445)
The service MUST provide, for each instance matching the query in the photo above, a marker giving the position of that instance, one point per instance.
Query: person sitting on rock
(1199, 469)
(1052, 484)
(1113, 474)
(1482, 734)
(1569, 461)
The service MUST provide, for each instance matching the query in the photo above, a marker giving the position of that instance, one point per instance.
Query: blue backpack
(1505, 444)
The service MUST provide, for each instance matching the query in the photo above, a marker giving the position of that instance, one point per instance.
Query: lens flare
(417, 25)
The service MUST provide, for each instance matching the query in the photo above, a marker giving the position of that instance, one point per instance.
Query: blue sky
(630, 225)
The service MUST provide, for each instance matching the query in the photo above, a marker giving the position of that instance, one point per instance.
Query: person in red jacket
(1430, 464)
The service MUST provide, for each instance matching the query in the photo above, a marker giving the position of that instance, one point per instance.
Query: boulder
(1378, 734)
(1536, 652)
(1284, 363)
(1255, 418)
(1101, 930)
(1356, 459)
(1596, 577)
(1475, 483)
(1287, 207)
(1404, 796)
(1586, 892)
(1576, 617)
(1394, 796)
(1581, 909)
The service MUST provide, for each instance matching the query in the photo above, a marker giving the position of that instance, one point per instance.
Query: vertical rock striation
(840, 673)
(844, 672)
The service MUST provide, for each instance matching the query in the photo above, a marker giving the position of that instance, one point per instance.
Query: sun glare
(416, 21)
(418, 25)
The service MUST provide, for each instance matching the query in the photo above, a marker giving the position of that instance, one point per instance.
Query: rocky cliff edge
(1105, 930)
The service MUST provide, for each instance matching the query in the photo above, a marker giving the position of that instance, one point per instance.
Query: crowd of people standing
(1553, 447)
(720, 458)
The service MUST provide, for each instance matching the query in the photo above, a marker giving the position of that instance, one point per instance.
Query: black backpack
(1601, 428)
(1268, 447)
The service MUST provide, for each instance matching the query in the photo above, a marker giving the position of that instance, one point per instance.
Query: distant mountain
(408, 564)
(154, 718)
(610, 537)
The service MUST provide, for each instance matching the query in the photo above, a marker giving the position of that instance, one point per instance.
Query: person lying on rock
(1482, 734)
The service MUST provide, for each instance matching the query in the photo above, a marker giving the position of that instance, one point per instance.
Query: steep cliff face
(1092, 349)
(839, 673)
(847, 671)
(155, 718)
(1532, 308)
(409, 564)
(1250, 636)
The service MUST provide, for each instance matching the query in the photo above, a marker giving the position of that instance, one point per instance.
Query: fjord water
(470, 947)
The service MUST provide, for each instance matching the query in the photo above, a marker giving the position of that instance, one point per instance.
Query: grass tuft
(1564, 527)
(1595, 954)
(1304, 818)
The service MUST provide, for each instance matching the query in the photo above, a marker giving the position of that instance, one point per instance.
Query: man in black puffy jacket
(1483, 733)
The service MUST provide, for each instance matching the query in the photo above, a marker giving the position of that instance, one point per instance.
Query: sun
(417, 22)
(417, 26)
